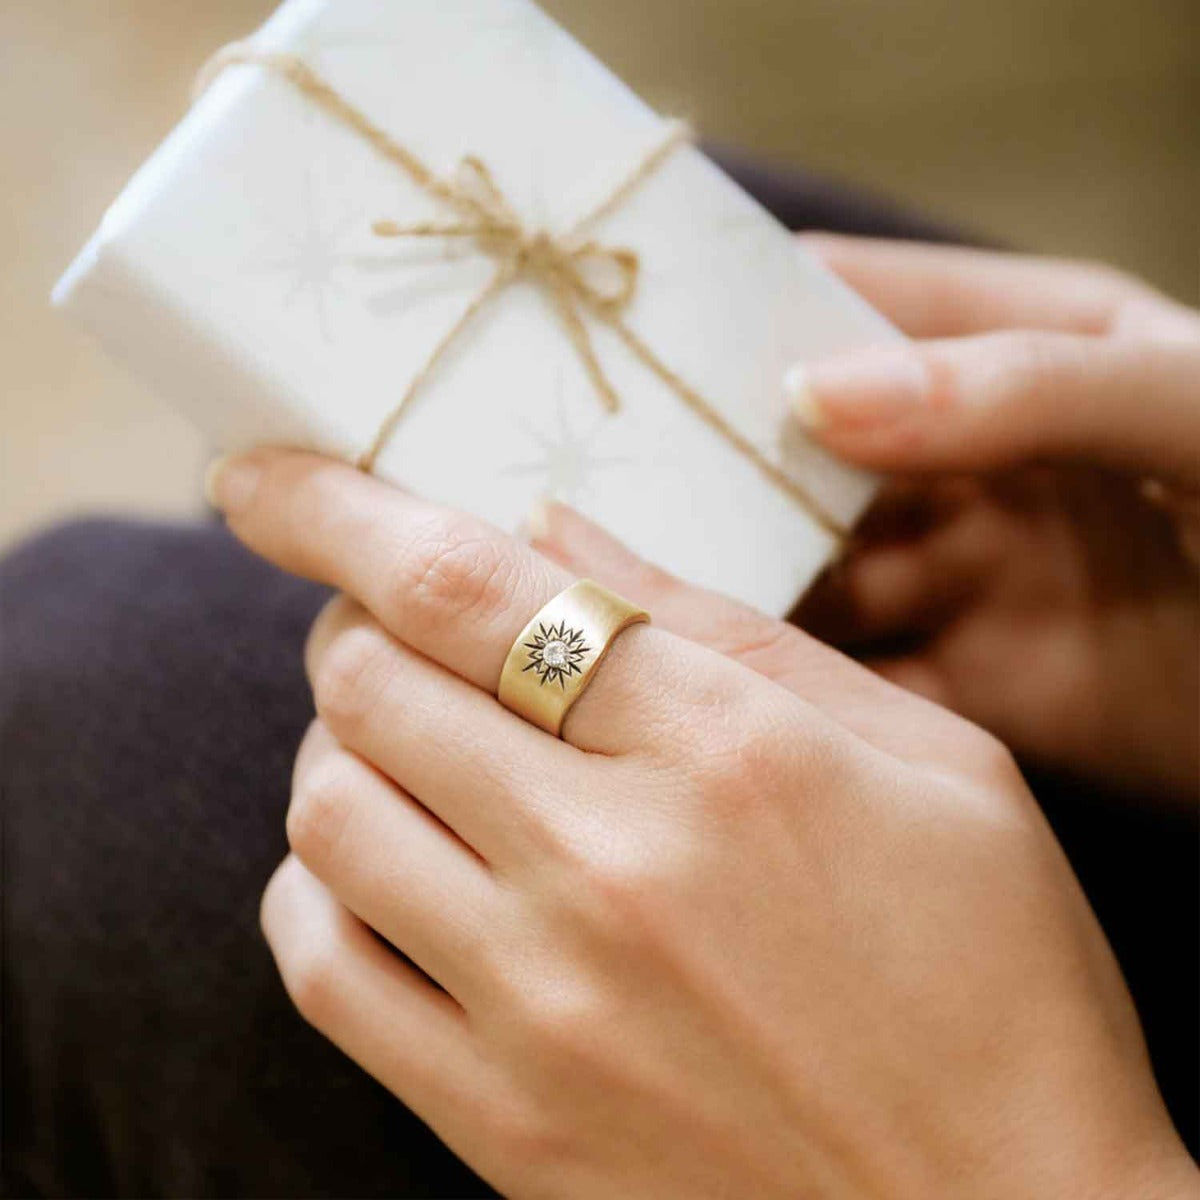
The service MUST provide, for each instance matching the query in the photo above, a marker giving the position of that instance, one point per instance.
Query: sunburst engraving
(555, 653)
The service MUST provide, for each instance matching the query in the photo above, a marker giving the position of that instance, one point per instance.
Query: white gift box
(240, 271)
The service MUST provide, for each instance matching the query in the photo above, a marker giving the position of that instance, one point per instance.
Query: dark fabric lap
(153, 701)
(152, 698)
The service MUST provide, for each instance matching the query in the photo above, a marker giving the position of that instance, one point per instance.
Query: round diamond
(556, 653)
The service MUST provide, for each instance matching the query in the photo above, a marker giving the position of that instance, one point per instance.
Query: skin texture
(761, 924)
(1020, 571)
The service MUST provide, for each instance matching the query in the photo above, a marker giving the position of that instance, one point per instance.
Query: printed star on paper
(567, 463)
(312, 259)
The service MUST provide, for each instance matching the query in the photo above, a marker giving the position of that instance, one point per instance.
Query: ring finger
(448, 585)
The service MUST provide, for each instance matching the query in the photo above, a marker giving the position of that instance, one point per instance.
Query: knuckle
(322, 796)
(762, 753)
(336, 614)
(627, 899)
(348, 678)
(310, 975)
(306, 953)
(563, 1018)
(614, 890)
(571, 1028)
(624, 878)
(491, 964)
(994, 760)
(516, 1133)
(273, 906)
(457, 569)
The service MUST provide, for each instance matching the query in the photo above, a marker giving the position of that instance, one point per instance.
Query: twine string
(577, 275)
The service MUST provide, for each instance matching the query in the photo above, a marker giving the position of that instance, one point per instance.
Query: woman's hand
(1052, 596)
(762, 924)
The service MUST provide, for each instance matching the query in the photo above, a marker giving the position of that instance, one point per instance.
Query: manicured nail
(230, 482)
(864, 387)
(537, 521)
(805, 406)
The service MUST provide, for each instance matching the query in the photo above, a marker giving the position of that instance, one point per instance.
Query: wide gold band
(557, 653)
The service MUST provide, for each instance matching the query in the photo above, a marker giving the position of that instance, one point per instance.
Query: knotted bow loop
(473, 192)
(602, 275)
(569, 272)
(607, 276)
(476, 187)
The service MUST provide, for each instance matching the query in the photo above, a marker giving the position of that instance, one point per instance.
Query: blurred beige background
(1070, 126)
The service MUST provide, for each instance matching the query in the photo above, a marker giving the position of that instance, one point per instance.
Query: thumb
(1000, 399)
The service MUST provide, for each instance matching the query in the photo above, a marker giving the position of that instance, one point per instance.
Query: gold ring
(557, 653)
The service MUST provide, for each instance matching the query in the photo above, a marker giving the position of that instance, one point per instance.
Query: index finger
(947, 291)
(447, 584)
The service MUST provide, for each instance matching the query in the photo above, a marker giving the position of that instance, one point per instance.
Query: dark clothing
(152, 700)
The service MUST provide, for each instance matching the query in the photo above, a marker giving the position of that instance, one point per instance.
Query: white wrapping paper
(240, 273)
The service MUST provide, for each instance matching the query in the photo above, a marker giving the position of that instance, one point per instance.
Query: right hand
(733, 934)
(1016, 571)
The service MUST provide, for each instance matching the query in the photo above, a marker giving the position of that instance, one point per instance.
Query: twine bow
(575, 273)
(578, 275)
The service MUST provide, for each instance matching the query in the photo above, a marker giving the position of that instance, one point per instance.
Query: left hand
(1018, 573)
(763, 924)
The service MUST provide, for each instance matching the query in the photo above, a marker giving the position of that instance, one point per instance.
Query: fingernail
(230, 482)
(537, 520)
(866, 387)
(798, 389)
